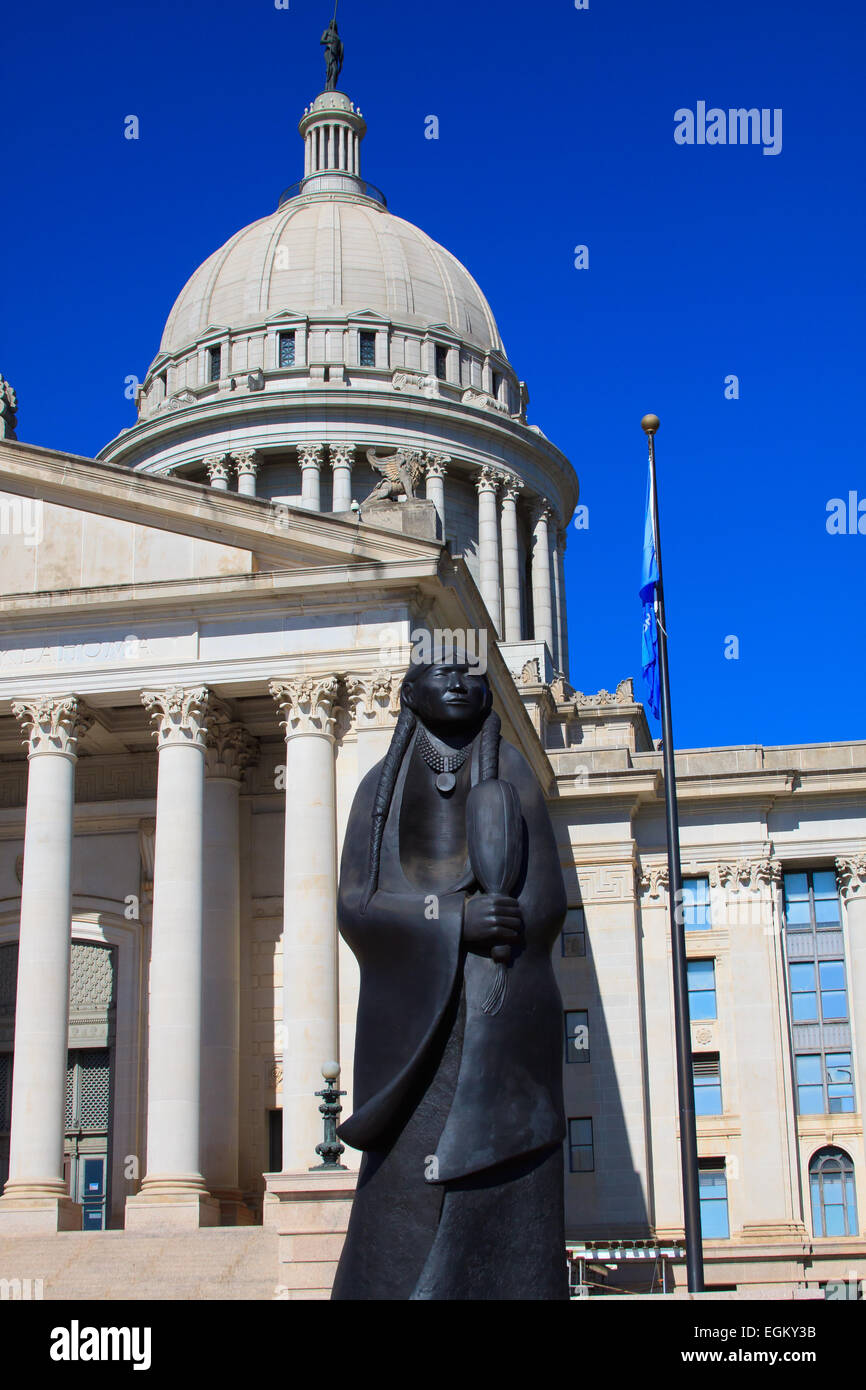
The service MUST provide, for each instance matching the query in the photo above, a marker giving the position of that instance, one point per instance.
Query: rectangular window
(696, 904)
(812, 901)
(287, 349)
(804, 996)
(825, 1083)
(214, 363)
(713, 1188)
(809, 979)
(497, 386)
(581, 1156)
(441, 363)
(702, 989)
(707, 1076)
(574, 933)
(576, 1035)
(368, 349)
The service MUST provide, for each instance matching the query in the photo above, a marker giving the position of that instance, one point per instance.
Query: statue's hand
(491, 919)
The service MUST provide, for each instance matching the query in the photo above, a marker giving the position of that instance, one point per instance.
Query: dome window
(497, 386)
(287, 349)
(368, 348)
(442, 363)
(214, 363)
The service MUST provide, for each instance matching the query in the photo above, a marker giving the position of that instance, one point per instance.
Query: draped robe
(459, 1113)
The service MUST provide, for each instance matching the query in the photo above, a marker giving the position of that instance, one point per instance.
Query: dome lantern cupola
(332, 130)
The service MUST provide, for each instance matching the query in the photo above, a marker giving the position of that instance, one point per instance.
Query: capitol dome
(345, 253)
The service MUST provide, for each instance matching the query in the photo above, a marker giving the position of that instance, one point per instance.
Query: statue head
(447, 696)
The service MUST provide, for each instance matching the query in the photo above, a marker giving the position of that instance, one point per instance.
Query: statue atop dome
(333, 55)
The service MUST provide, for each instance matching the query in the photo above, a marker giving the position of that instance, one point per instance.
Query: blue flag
(649, 580)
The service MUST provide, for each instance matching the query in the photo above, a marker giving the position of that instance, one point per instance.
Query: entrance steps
(225, 1262)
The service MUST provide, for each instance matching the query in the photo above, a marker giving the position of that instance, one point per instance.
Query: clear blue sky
(556, 129)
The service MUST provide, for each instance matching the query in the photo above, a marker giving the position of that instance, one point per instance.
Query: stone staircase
(230, 1262)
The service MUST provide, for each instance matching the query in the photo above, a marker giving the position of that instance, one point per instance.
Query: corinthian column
(486, 485)
(217, 471)
(562, 602)
(511, 560)
(173, 1191)
(435, 469)
(342, 457)
(35, 1198)
(541, 597)
(310, 459)
(310, 1024)
(247, 466)
(230, 749)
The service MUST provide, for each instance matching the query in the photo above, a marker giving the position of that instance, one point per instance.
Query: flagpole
(682, 1027)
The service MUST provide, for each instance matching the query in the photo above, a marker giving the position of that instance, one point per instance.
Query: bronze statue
(451, 897)
(333, 55)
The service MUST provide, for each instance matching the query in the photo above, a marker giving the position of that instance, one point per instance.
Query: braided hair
(400, 739)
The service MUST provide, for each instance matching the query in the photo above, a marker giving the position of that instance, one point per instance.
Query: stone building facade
(203, 637)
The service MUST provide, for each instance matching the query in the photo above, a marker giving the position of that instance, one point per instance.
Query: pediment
(72, 523)
(368, 316)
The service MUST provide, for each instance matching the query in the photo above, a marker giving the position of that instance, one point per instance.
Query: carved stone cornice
(341, 455)
(52, 724)
(230, 748)
(307, 704)
(851, 877)
(436, 465)
(310, 455)
(246, 461)
(180, 714)
(623, 695)
(218, 468)
(374, 697)
(654, 880)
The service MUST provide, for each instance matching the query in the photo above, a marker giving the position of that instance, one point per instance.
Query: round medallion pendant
(446, 782)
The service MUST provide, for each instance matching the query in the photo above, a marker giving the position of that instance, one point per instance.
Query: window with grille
(713, 1190)
(214, 363)
(818, 993)
(574, 933)
(707, 1076)
(834, 1198)
(702, 989)
(576, 1035)
(88, 1091)
(368, 349)
(287, 349)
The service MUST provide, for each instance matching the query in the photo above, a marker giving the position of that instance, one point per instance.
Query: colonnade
(190, 1169)
(498, 529)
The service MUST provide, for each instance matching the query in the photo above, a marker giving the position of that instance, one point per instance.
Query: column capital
(218, 468)
(341, 455)
(229, 748)
(654, 880)
(180, 714)
(746, 873)
(52, 724)
(541, 510)
(487, 479)
(511, 488)
(246, 461)
(374, 697)
(310, 455)
(436, 465)
(307, 704)
(851, 877)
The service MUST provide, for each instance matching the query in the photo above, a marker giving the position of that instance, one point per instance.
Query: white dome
(340, 254)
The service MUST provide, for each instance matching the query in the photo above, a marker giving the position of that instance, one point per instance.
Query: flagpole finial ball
(650, 423)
